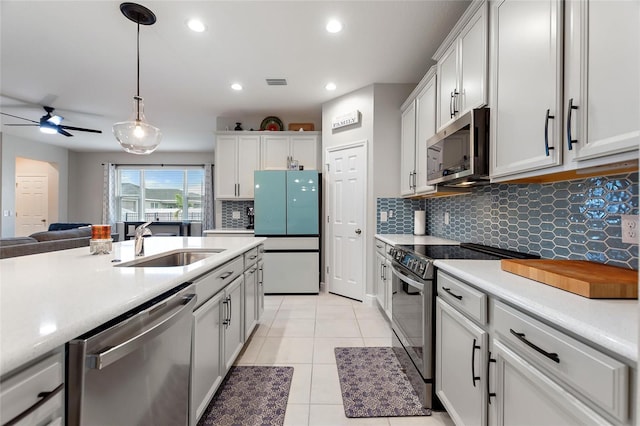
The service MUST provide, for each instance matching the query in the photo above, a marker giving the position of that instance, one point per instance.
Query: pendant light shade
(136, 136)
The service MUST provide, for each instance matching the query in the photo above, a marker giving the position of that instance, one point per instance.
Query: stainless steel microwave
(458, 155)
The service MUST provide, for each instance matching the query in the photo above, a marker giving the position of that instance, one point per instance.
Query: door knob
(358, 231)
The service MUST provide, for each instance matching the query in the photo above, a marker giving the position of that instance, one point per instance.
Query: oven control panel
(411, 262)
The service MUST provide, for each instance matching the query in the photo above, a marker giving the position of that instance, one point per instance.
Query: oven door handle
(404, 277)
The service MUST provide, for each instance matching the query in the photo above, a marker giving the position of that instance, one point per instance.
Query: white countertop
(50, 298)
(399, 239)
(610, 324)
(228, 231)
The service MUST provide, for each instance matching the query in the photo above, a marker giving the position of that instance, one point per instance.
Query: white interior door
(32, 200)
(347, 196)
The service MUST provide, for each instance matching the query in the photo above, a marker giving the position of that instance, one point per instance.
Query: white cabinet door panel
(474, 62)
(607, 71)
(248, 162)
(525, 86)
(206, 371)
(407, 150)
(225, 167)
(304, 149)
(461, 348)
(525, 396)
(425, 128)
(447, 85)
(275, 151)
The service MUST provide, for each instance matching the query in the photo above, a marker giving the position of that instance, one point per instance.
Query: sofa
(46, 241)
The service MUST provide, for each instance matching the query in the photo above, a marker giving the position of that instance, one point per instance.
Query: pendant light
(136, 136)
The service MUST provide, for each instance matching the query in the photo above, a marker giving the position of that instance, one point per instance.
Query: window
(159, 193)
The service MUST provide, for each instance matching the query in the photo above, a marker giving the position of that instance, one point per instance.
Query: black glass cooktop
(465, 251)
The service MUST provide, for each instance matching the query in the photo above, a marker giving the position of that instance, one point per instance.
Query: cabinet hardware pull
(448, 290)
(226, 275)
(551, 355)
(230, 310)
(570, 140)
(252, 257)
(225, 302)
(546, 133)
(473, 363)
(455, 101)
(46, 397)
(489, 393)
(451, 113)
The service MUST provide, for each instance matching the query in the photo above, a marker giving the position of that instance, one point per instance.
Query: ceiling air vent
(276, 81)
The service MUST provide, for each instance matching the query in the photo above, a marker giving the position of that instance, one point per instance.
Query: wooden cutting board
(588, 279)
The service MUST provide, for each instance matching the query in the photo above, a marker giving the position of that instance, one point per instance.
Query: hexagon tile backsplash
(578, 219)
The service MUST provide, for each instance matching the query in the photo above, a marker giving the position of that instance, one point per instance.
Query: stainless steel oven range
(413, 306)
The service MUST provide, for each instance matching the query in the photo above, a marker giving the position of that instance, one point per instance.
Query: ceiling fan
(50, 123)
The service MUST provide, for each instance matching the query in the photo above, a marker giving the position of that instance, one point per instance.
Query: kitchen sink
(174, 258)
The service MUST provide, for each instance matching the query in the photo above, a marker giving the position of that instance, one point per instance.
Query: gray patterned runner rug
(250, 396)
(374, 385)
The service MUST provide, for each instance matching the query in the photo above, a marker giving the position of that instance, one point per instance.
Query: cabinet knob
(358, 231)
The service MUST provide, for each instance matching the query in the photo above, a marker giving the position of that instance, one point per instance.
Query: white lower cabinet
(260, 289)
(461, 348)
(230, 303)
(35, 395)
(498, 365)
(206, 373)
(527, 396)
(383, 278)
(233, 327)
(251, 299)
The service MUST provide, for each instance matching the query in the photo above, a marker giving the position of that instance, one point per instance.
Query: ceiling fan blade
(21, 118)
(34, 125)
(63, 132)
(80, 129)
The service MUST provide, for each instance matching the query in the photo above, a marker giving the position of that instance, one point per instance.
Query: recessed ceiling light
(334, 26)
(196, 25)
(236, 86)
(330, 86)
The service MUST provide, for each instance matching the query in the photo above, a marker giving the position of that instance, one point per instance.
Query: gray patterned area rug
(374, 385)
(250, 396)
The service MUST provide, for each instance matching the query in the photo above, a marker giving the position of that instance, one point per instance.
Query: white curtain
(207, 212)
(109, 195)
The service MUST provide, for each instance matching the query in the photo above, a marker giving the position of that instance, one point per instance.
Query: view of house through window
(159, 193)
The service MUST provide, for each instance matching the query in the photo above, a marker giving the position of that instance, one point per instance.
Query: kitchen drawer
(20, 393)
(216, 280)
(250, 257)
(600, 378)
(463, 297)
(381, 247)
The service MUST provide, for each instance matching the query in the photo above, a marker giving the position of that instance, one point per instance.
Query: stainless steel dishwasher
(135, 369)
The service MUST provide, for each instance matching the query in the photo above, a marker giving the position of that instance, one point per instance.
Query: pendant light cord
(138, 76)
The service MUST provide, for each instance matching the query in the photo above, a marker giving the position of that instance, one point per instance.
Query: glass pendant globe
(136, 136)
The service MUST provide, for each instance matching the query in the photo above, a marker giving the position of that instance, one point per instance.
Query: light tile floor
(302, 331)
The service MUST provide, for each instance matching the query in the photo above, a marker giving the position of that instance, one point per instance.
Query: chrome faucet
(141, 231)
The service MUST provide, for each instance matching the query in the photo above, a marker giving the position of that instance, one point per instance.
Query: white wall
(379, 105)
(86, 177)
(15, 147)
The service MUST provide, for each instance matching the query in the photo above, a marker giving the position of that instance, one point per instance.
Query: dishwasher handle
(113, 353)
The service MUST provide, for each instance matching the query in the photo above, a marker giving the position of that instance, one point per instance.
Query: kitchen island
(50, 298)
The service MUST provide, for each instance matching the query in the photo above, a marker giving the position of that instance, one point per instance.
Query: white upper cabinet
(601, 77)
(418, 125)
(526, 82)
(462, 65)
(237, 157)
(425, 128)
(279, 149)
(544, 124)
(408, 149)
